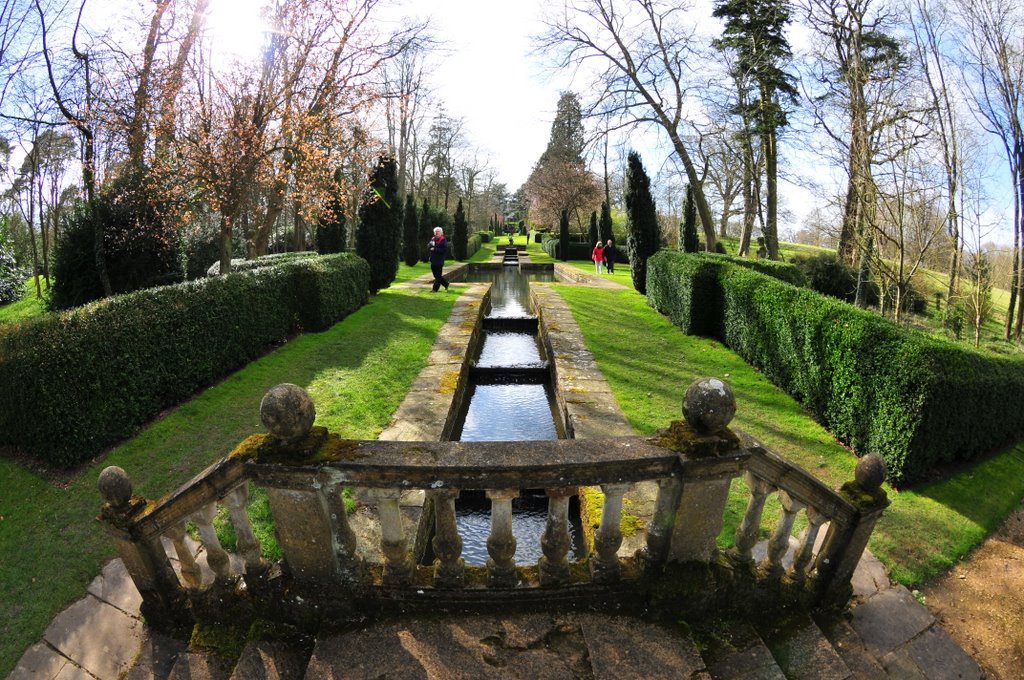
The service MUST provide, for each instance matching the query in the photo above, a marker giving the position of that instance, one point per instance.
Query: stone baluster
(750, 527)
(805, 550)
(778, 544)
(660, 531)
(349, 563)
(501, 544)
(844, 545)
(604, 566)
(216, 556)
(248, 545)
(163, 601)
(397, 562)
(190, 570)
(449, 567)
(556, 541)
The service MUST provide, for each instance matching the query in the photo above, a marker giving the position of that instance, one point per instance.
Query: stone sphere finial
(870, 472)
(709, 405)
(115, 486)
(288, 412)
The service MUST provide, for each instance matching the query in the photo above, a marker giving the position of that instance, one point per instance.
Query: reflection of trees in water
(510, 289)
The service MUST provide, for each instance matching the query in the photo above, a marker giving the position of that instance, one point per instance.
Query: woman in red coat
(597, 255)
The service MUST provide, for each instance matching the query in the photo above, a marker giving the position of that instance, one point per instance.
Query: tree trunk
(771, 233)
(226, 225)
(703, 209)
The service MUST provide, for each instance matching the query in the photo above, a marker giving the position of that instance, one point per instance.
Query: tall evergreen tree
(605, 225)
(330, 230)
(410, 233)
(426, 231)
(689, 243)
(755, 31)
(642, 240)
(379, 236)
(563, 236)
(460, 233)
(592, 233)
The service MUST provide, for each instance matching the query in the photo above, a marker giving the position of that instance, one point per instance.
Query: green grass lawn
(357, 372)
(27, 307)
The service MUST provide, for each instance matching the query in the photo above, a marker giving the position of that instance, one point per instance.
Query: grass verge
(27, 307)
(649, 363)
(357, 372)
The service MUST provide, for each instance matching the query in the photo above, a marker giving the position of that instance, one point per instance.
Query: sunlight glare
(236, 28)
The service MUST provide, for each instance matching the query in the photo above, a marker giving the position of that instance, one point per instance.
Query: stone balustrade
(325, 574)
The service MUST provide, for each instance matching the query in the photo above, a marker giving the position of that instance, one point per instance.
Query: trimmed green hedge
(76, 382)
(241, 265)
(876, 386)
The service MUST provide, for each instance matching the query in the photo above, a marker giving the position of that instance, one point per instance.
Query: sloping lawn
(357, 372)
(27, 307)
(649, 363)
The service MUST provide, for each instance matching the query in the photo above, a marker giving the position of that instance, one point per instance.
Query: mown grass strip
(649, 363)
(357, 372)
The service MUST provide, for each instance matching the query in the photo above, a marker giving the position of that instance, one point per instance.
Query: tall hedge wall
(75, 382)
(915, 400)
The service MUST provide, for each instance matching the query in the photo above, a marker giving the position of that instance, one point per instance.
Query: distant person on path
(597, 255)
(438, 249)
(609, 256)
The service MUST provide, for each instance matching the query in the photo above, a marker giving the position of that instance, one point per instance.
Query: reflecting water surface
(508, 348)
(510, 289)
(512, 412)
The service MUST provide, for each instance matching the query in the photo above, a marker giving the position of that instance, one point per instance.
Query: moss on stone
(680, 437)
(222, 640)
(449, 382)
(864, 499)
(591, 510)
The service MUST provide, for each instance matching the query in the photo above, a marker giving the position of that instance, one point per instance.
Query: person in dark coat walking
(609, 257)
(438, 250)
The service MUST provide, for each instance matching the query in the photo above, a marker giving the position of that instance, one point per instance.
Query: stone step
(802, 651)
(271, 660)
(199, 666)
(737, 652)
(536, 646)
(849, 645)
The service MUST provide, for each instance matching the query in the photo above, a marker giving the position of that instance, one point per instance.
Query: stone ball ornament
(709, 405)
(115, 486)
(870, 472)
(288, 412)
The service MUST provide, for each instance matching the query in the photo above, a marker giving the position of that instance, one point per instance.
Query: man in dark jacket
(609, 257)
(438, 250)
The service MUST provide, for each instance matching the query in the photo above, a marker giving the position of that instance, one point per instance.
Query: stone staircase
(888, 636)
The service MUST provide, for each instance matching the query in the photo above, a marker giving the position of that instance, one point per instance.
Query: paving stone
(869, 577)
(941, 657)
(898, 664)
(623, 647)
(115, 587)
(157, 657)
(890, 619)
(97, 636)
(41, 661)
(194, 666)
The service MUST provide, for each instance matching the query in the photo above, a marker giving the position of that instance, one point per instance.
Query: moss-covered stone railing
(325, 576)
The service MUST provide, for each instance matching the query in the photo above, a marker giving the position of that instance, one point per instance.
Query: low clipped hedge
(241, 265)
(76, 382)
(878, 387)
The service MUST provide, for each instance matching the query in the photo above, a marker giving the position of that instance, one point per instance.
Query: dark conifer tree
(605, 225)
(592, 233)
(410, 233)
(330, 230)
(641, 221)
(690, 242)
(379, 236)
(460, 233)
(563, 236)
(427, 225)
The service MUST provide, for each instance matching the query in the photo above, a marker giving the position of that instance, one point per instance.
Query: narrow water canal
(510, 398)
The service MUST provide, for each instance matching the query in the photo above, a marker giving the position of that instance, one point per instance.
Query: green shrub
(271, 260)
(878, 387)
(76, 382)
(473, 244)
(485, 236)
